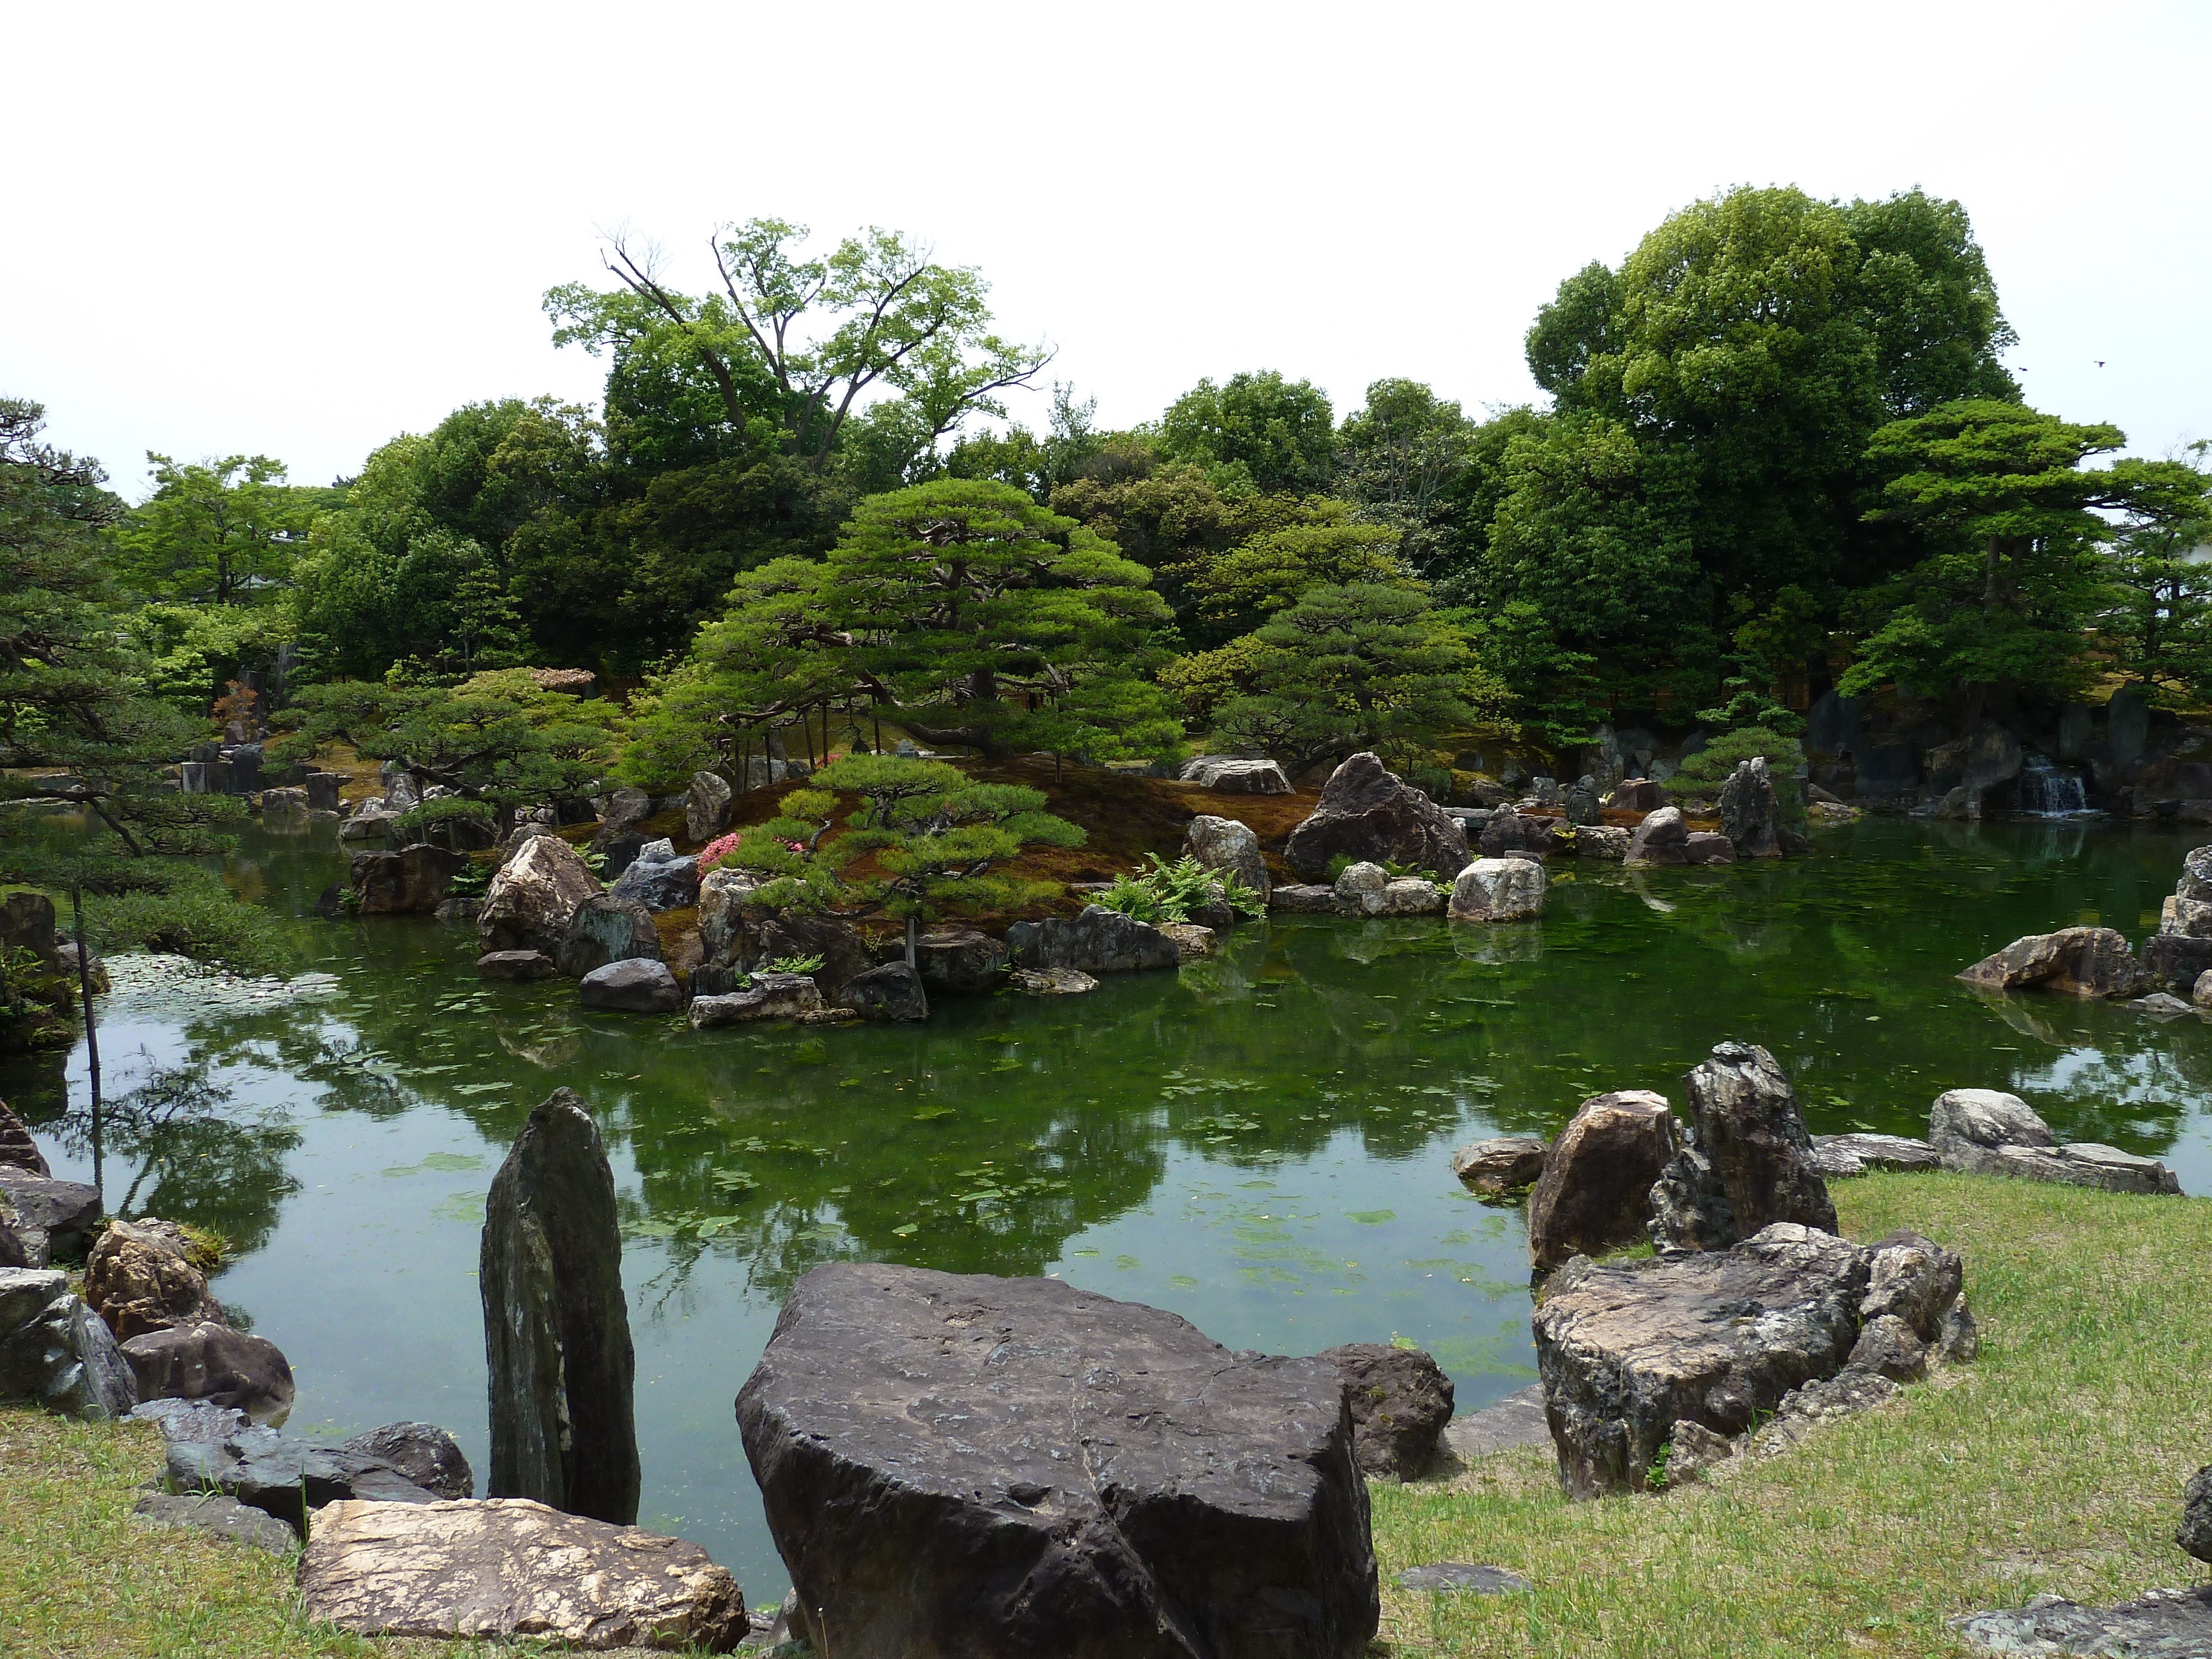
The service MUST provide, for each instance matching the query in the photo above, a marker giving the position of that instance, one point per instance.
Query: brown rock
(209, 1361)
(141, 1277)
(1595, 1191)
(1495, 1168)
(1370, 813)
(2079, 961)
(410, 882)
(509, 1567)
(1400, 1400)
(17, 1150)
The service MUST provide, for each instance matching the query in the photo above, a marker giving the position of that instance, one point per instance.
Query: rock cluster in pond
(995, 1468)
(1098, 941)
(1595, 1192)
(56, 1352)
(768, 996)
(533, 896)
(1498, 889)
(556, 1328)
(1368, 812)
(2080, 962)
(1985, 1132)
(506, 1568)
(1225, 845)
(1369, 889)
(1400, 1400)
(1744, 1160)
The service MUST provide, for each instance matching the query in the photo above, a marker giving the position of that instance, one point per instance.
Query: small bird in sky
(2100, 363)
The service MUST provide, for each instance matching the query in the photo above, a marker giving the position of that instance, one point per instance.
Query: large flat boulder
(2077, 961)
(1098, 941)
(502, 1568)
(408, 883)
(1628, 1351)
(1367, 811)
(1234, 776)
(56, 1352)
(769, 996)
(1228, 845)
(995, 1467)
(1855, 1154)
(561, 1373)
(1744, 1161)
(1594, 1193)
(1400, 1400)
(1987, 1132)
(210, 1361)
(533, 896)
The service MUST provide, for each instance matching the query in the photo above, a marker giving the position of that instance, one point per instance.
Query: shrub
(196, 917)
(1702, 774)
(1170, 892)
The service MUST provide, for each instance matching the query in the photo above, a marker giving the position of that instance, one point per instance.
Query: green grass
(2051, 1464)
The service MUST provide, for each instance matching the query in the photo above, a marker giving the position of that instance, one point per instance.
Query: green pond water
(1259, 1142)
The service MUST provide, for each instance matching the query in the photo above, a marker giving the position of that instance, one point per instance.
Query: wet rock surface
(1595, 1191)
(562, 1373)
(508, 1568)
(1400, 1400)
(1627, 1351)
(1367, 811)
(993, 1467)
(1098, 941)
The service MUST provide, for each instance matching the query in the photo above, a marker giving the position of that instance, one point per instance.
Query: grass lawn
(2052, 1464)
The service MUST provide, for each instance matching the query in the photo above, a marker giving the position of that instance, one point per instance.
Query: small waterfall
(2048, 790)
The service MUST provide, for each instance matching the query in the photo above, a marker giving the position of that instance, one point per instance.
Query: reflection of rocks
(1235, 1512)
(1400, 1400)
(1986, 1131)
(1595, 1191)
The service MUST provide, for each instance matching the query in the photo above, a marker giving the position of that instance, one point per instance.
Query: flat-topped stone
(1855, 1154)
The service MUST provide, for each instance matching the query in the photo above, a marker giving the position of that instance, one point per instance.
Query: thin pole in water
(91, 1033)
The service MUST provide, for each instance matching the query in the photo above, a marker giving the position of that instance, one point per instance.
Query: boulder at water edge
(55, 1219)
(892, 992)
(1225, 845)
(1400, 1400)
(995, 1467)
(282, 1473)
(769, 996)
(1745, 1160)
(1751, 818)
(556, 1329)
(1368, 812)
(502, 1568)
(1594, 1193)
(960, 960)
(603, 928)
(1986, 1131)
(423, 1452)
(785, 938)
(17, 1150)
(1099, 941)
(410, 882)
(57, 1352)
(636, 984)
(210, 1361)
(1498, 889)
(533, 898)
(1510, 1163)
(2077, 961)
(141, 1277)
(706, 806)
(1627, 1351)
(1662, 838)
(517, 967)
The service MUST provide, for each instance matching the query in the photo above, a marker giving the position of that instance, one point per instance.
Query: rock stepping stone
(218, 1517)
(1461, 1578)
(1836, 1156)
(1516, 1421)
(2166, 1624)
(1009, 1467)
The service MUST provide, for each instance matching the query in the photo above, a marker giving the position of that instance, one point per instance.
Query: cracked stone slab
(2166, 1624)
(1461, 1578)
(218, 1517)
(998, 1467)
(1516, 1421)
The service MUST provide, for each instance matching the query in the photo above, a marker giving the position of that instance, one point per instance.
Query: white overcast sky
(298, 230)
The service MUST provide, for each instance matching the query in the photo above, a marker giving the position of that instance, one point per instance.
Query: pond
(1259, 1142)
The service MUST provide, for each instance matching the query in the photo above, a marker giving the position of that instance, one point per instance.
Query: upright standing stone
(1747, 1161)
(706, 806)
(556, 1331)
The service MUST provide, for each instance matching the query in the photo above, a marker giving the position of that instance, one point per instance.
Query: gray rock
(55, 1219)
(219, 1517)
(1662, 838)
(1226, 845)
(283, 1475)
(2081, 962)
(423, 1452)
(1746, 1137)
(284, 808)
(1050, 982)
(1505, 831)
(620, 814)
(893, 991)
(1595, 1190)
(1961, 1338)
(1985, 1132)
(1496, 1168)
(1400, 1400)
(56, 1352)
(2166, 1624)
(200, 1422)
(1304, 899)
(637, 985)
(1516, 1421)
(1019, 1467)
(2175, 960)
(1580, 803)
(1644, 795)
(1628, 1351)
(1914, 1278)
(17, 1150)
(26, 923)
(1098, 941)
(507, 1568)
(1461, 1578)
(1368, 812)
(518, 966)
(369, 821)
(1702, 847)
(1889, 1348)
(1498, 889)
(770, 996)
(1360, 887)
(1236, 777)
(671, 883)
(1751, 818)
(960, 960)
(209, 1361)
(2194, 1535)
(1604, 841)
(321, 789)
(606, 928)
(533, 898)
(1192, 942)
(1694, 1451)
(1855, 1154)
(556, 1328)
(706, 806)
(459, 912)
(2161, 1005)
